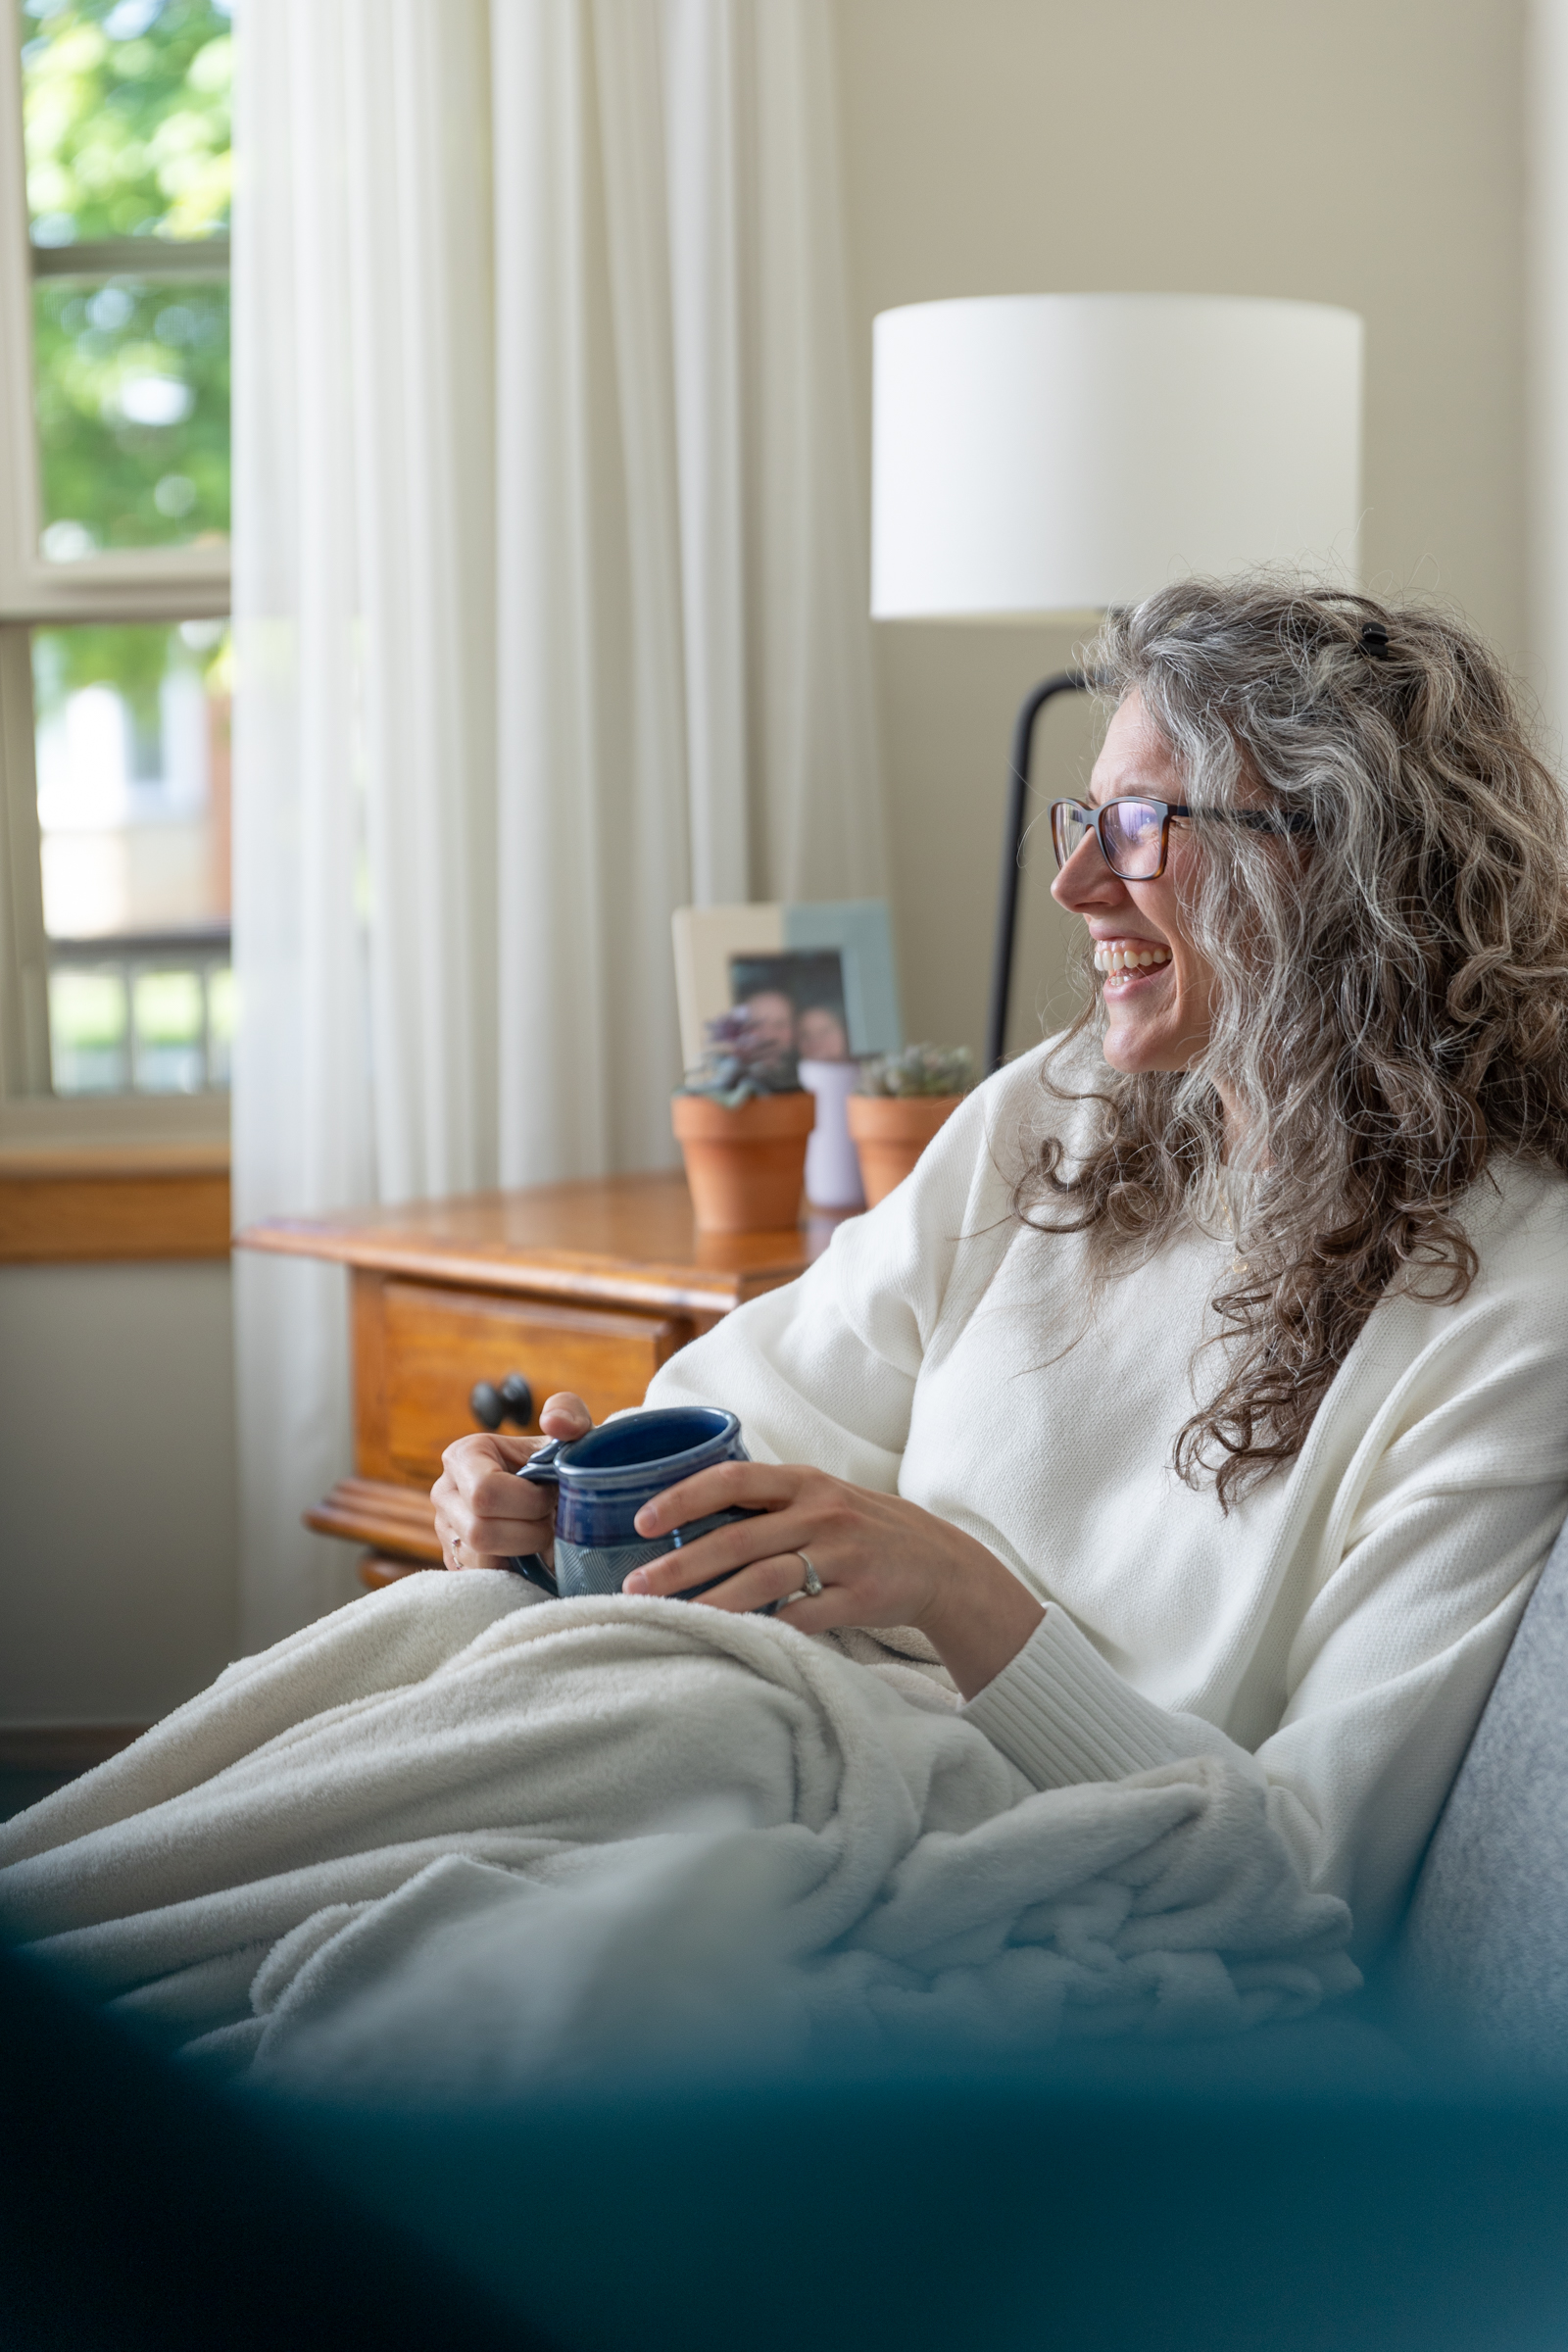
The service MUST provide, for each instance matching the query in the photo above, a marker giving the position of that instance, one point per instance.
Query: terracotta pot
(890, 1131)
(746, 1167)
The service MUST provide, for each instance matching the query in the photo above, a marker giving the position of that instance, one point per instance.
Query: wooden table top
(626, 1240)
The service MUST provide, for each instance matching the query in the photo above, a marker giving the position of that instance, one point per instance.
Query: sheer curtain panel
(550, 602)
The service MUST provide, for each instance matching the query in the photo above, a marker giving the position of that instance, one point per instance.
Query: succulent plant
(741, 1061)
(921, 1070)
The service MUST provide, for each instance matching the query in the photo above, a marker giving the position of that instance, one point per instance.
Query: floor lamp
(1044, 458)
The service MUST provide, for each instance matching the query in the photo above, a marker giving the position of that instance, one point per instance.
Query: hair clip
(1375, 640)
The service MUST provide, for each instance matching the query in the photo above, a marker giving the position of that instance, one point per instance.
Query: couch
(1484, 1954)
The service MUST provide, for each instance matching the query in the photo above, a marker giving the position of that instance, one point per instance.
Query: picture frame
(766, 940)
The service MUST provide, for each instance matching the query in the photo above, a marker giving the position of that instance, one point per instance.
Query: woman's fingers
(495, 1502)
(470, 1459)
(469, 1541)
(729, 1486)
(468, 1462)
(722, 1553)
(763, 1581)
(505, 1507)
(485, 1513)
(565, 1415)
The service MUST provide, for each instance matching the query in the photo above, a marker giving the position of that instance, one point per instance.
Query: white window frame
(156, 584)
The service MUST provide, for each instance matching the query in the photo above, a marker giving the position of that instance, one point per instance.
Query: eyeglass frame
(1258, 820)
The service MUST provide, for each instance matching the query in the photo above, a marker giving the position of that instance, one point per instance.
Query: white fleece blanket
(448, 1842)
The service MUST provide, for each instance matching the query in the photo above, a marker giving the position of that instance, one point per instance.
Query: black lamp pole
(1067, 681)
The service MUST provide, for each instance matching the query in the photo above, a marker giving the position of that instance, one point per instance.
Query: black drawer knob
(492, 1406)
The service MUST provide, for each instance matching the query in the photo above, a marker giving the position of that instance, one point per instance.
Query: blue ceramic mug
(605, 1478)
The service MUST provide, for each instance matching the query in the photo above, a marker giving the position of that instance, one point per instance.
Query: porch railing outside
(146, 1013)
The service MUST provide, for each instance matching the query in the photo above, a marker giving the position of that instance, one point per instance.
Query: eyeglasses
(1134, 835)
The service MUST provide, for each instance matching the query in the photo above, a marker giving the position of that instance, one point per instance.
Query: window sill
(113, 1201)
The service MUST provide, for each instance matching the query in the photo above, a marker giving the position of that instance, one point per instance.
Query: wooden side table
(587, 1286)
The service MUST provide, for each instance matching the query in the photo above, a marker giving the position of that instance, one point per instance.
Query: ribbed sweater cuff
(1062, 1715)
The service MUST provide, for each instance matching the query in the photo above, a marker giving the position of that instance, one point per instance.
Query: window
(116, 997)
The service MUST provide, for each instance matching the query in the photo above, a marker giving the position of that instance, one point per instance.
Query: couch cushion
(1485, 1947)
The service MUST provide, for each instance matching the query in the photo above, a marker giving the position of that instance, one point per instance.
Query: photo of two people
(795, 999)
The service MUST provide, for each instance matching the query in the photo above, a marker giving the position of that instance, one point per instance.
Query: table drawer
(419, 1349)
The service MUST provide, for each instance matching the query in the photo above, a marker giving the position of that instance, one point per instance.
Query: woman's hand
(882, 1561)
(485, 1515)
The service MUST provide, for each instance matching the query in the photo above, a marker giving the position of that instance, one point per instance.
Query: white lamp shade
(1050, 455)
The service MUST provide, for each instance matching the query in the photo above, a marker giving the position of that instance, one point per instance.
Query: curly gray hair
(1392, 999)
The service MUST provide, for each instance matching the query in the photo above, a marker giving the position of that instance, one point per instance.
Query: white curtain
(551, 609)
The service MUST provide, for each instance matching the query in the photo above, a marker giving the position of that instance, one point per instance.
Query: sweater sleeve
(822, 1370)
(1061, 1714)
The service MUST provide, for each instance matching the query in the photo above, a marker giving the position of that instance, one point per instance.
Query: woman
(1206, 1389)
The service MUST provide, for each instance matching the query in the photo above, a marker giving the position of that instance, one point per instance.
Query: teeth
(1117, 960)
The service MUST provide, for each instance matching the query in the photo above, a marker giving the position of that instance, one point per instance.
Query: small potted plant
(902, 1102)
(742, 1119)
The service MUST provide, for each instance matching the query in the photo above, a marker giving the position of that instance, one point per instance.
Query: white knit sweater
(1341, 1626)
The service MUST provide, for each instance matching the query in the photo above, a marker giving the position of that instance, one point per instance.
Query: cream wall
(1364, 152)
(116, 1490)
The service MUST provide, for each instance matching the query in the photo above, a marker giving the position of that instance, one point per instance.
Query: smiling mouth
(1123, 962)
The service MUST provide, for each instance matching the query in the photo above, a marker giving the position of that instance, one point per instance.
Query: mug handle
(541, 1470)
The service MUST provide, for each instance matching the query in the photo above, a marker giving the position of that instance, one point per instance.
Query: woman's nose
(1086, 880)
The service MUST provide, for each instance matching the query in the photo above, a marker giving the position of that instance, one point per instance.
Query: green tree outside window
(128, 136)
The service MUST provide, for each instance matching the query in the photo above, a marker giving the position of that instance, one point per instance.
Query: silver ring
(814, 1583)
